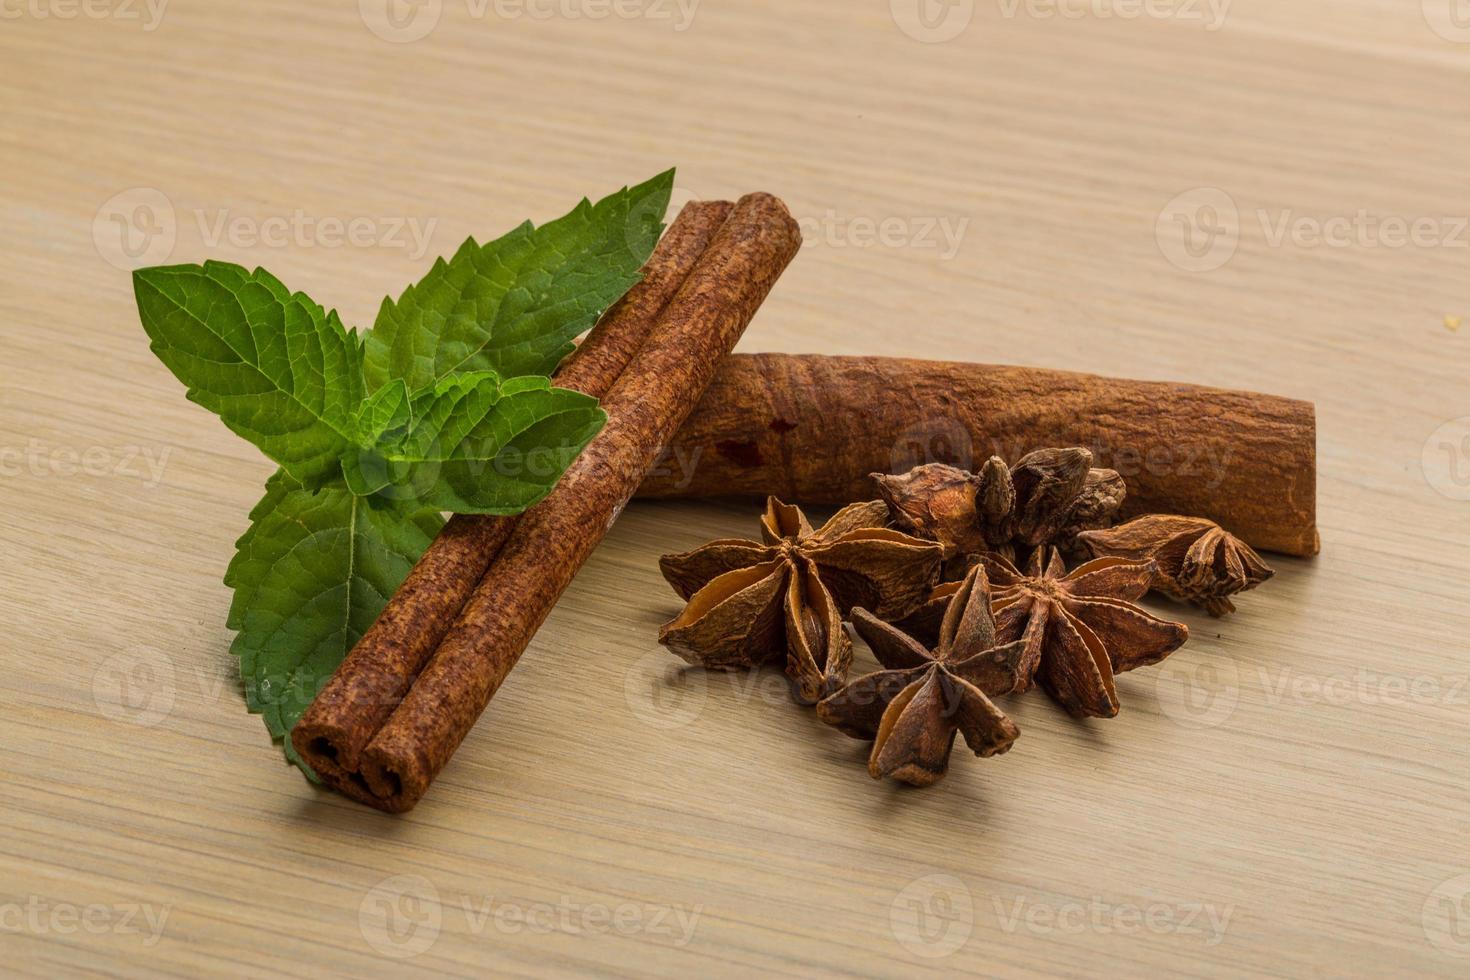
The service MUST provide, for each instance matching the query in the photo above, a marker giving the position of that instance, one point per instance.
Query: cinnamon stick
(378, 671)
(551, 541)
(810, 429)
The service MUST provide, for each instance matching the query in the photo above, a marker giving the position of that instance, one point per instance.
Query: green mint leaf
(386, 410)
(471, 443)
(310, 576)
(272, 364)
(512, 306)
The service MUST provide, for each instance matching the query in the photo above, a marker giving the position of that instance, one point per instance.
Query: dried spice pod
(995, 501)
(937, 502)
(1081, 627)
(818, 652)
(735, 622)
(1095, 507)
(753, 601)
(1048, 483)
(1046, 498)
(1198, 560)
(913, 709)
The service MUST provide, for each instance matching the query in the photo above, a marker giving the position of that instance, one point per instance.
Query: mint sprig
(445, 405)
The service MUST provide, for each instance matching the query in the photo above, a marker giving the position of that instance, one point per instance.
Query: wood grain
(1302, 766)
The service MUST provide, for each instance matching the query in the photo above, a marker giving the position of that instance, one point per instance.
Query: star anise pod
(1199, 561)
(913, 709)
(938, 502)
(786, 595)
(1080, 627)
(1046, 498)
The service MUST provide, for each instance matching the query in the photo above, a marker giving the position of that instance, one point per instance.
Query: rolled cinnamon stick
(811, 428)
(378, 671)
(551, 541)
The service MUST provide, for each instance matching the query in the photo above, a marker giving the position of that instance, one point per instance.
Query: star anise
(786, 595)
(913, 709)
(1080, 627)
(1199, 561)
(1046, 498)
(938, 502)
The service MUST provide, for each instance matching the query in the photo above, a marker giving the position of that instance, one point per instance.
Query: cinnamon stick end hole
(323, 747)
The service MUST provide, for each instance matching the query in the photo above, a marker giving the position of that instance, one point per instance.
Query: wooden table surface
(1257, 195)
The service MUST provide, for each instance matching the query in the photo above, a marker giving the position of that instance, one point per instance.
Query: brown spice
(785, 596)
(941, 503)
(377, 672)
(1245, 460)
(552, 540)
(1080, 627)
(1045, 499)
(1198, 561)
(913, 709)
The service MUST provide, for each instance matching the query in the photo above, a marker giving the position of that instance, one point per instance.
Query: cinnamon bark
(378, 671)
(811, 428)
(551, 541)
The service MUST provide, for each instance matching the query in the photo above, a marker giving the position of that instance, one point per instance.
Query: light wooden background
(1287, 796)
